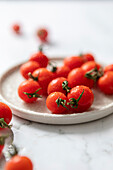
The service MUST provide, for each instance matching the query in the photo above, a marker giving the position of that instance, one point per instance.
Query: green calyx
(40, 48)
(65, 86)
(61, 102)
(3, 124)
(74, 102)
(94, 74)
(31, 95)
(32, 77)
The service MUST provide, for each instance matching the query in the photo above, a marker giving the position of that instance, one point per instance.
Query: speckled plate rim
(47, 118)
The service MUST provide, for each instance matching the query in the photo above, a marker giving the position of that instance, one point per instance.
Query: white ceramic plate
(38, 112)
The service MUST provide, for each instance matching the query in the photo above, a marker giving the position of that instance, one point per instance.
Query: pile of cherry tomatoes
(67, 87)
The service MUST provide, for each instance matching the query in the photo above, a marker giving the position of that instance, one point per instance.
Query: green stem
(32, 77)
(31, 95)
(66, 87)
(74, 102)
(61, 102)
(3, 124)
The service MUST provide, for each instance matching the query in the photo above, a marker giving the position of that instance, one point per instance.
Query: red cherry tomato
(62, 71)
(108, 68)
(90, 65)
(19, 163)
(40, 57)
(43, 76)
(88, 57)
(42, 34)
(80, 98)
(27, 67)
(6, 114)
(59, 85)
(1, 149)
(105, 83)
(73, 62)
(56, 103)
(16, 28)
(77, 77)
(29, 91)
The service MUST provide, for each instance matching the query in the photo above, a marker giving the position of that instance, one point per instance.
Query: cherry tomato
(42, 34)
(40, 57)
(27, 67)
(77, 77)
(43, 76)
(73, 62)
(16, 28)
(108, 68)
(61, 71)
(90, 65)
(80, 98)
(59, 85)
(19, 163)
(5, 115)
(88, 57)
(29, 91)
(105, 83)
(56, 103)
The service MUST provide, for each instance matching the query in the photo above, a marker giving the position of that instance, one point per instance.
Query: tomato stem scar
(61, 102)
(3, 124)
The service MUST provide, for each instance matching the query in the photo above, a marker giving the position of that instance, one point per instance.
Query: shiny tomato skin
(105, 83)
(77, 77)
(19, 163)
(73, 62)
(52, 105)
(56, 85)
(42, 33)
(5, 112)
(27, 67)
(29, 86)
(44, 78)
(41, 58)
(62, 71)
(108, 68)
(86, 100)
(88, 57)
(90, 65)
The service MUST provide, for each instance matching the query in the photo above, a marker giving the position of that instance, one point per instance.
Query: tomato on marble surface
(19, 163)
(42, 34)
(16, 28)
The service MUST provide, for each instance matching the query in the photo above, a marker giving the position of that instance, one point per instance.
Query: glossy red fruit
(19, 163)
(42, 33)
(88, 57)
(90, 65)
(29, 91)
(80, 98)
(5, 113)
(27, 67)
(43, 77)
(59, 85)
(62, 71)
(77, 77)
(105, 83)
(73, 62)
(108, 68)
(40, 57)
(16, 28)
(56, 103)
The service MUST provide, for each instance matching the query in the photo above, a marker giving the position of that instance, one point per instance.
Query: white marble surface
(75, 27)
